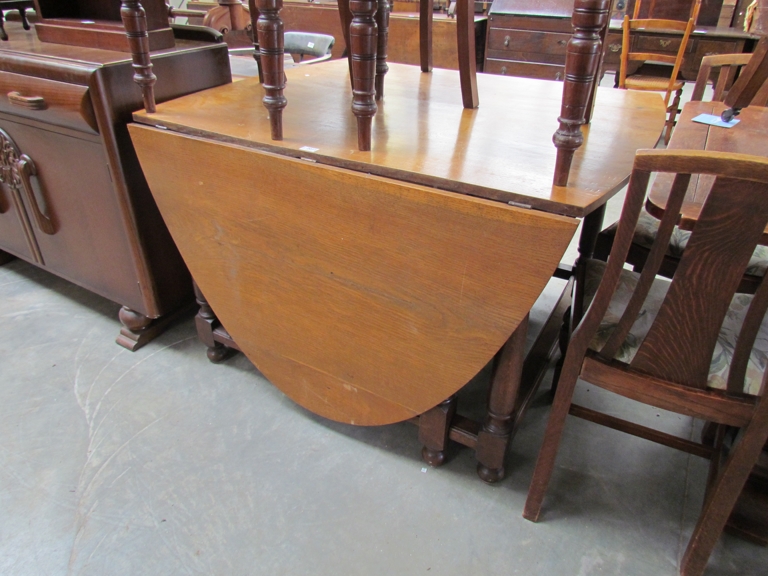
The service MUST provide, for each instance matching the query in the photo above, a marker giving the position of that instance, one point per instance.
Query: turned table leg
(206, 322)
(363, 34)
(505, 383)
(434, 427)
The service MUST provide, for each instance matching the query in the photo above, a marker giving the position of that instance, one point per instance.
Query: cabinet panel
(74, 188)
(12, 236)
(528, 41)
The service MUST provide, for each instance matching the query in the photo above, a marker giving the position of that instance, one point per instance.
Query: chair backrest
(681, 340)
(627, 55)
(727, 66)
(309, 44)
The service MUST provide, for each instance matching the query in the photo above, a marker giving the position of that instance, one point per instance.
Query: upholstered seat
(645, 235)
(726, 341)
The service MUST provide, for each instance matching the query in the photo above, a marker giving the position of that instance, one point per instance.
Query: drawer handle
(559, 76)
(506, 41)
(503, 70)
(665, 43)
(27, 169)
(614, 47)
(562, 42)
(28, 102)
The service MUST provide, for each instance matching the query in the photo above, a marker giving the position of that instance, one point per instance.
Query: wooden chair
(662, 79)
(726, 66)
(689, 352)
(22, 6)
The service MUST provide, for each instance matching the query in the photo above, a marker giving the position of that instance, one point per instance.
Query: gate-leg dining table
(371, 286)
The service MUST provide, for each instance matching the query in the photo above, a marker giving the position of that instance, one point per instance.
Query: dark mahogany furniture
(98, 23)
(19, 5)
(74, 200)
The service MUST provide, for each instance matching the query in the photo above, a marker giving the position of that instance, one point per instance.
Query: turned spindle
(363, 34)
(269, 32)
(581, 66)
(382, 22)
(135, 22)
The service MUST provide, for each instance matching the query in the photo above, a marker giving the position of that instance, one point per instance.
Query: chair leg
(672, 115)
(545, 463)
(722, 498)
(426, 9)
(382, 23)
(465, 31)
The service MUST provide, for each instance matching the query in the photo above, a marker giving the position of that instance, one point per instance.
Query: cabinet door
(13, 236)
(73, 187)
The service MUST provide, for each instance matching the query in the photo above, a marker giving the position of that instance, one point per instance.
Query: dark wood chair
(698, 348)
(651, 76)
(22, 6)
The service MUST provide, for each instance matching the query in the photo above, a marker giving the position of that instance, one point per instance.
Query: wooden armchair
(692, 345)
(726, 66)
(660, 79)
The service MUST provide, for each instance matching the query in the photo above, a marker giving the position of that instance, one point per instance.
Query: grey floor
(160, 463)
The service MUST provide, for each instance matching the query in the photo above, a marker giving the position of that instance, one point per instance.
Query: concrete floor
(160, 463)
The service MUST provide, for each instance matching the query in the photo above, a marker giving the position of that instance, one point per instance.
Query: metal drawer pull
(562, 42)
(665, 43)
(28, 102)
(27, 169)
(614, 47)
(506, 41)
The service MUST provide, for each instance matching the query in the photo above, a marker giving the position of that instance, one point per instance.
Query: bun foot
(139, 330)
(219, 353)
(490, 475)
(434, 458)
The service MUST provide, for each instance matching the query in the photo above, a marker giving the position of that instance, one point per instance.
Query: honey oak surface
(749, 136)
(364, 299)
(503, 150)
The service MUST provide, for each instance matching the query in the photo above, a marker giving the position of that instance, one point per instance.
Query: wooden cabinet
(529, 38)
(73, 199)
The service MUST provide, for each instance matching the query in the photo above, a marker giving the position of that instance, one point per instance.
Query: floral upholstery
(726, 342)
(648, 226)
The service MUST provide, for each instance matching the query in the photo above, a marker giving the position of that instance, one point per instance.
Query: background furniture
(528, 37)
(98, 24)
(21, 6)
(653, 76)
(692, 350)
(78, 205)
(722, 68)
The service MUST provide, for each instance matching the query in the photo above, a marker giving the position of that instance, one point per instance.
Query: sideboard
(73, 198)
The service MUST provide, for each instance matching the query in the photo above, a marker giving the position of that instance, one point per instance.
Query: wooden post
(269, 31)
(382, 23)
(363, 34)
(135, 22)
(581, 68)
(749, 82)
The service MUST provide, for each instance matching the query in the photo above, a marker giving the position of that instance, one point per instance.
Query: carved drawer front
(528, 41)
(612, 50)
(49, 101)
(524, 69)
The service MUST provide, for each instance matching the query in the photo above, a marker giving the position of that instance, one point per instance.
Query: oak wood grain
(365, 300)
(422, 134)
